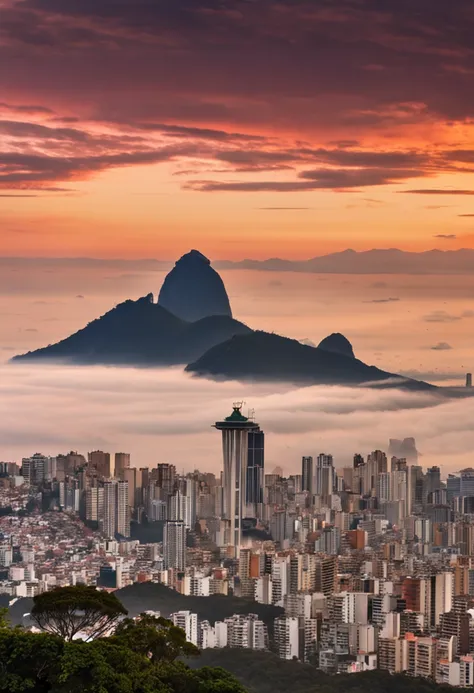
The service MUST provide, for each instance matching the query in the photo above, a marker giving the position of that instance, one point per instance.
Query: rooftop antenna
(251, 415)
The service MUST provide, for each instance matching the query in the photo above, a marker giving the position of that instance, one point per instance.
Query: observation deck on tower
(237, 421)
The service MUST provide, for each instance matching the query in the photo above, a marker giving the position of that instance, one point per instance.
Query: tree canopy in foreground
(140, 657)
(70, 611)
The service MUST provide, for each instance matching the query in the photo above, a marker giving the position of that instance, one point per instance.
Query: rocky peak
(194, 290)
(337, 344)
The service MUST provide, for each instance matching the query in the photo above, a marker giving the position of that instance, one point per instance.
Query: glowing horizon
(249, 130)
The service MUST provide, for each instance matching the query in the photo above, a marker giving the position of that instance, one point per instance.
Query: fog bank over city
(166, 416)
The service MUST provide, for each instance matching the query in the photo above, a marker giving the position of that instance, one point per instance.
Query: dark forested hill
(263, 672)
(153, 596)
(264, 356)
(140, 333)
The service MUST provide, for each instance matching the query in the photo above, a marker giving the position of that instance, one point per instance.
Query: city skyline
(366, 567)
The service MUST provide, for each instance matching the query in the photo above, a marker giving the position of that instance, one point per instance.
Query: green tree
(28, 660)
(4, 621)
(154, 637)
(102, 666)
(44, 663)
(141, 657)
(68, 611)
(181, 679)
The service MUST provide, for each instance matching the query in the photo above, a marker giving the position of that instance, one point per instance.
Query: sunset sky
(252, 128)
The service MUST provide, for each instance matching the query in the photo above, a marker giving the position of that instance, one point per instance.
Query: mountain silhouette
(270, 357)
(375, 261)
(140, 333)
(194, 290)
(336, 343)
(192, 324)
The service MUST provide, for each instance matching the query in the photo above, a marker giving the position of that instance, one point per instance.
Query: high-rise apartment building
(247, 632)
(255, 470)
(179, 508)
(432, 482)
(70, 464)
(108, 521)
(115, 518)
(442, 588)
(187, 621)
(324, 476)
(123, 509)
(174, 544)
(100, 462)
(286, 633)
(235, 444)
(307, 474)
(94, 503)
(165, 475)
(134, 478)
(36, 469)
(122, 461)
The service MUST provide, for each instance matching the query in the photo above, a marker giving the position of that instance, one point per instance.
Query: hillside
(270, 357)
(153, 596)
(139, 333)
(263, 672)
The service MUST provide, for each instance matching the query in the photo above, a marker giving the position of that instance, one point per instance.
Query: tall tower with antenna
(235, 442)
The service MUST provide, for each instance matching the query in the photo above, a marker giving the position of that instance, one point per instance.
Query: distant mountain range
(377, 261)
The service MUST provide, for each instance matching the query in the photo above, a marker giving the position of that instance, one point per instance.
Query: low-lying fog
(164, 415)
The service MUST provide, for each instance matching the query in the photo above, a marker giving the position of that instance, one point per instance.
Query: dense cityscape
(371, 564)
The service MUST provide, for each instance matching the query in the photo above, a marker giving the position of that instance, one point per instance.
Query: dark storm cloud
(411, 58)
(167, 68)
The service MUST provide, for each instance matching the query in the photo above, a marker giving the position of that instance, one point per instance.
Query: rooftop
(236, 414)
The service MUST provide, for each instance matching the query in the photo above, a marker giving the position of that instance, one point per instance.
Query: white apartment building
(286, 632)
(189, 623)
